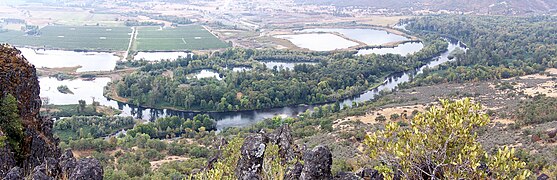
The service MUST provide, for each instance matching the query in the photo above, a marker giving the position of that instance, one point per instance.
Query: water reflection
(319, 42)
(368, 36)
(284, 65)
(89, 61)
(229, 119)
(402, 49)
(207, 73)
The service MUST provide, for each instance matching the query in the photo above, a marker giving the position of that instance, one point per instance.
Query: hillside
(28, 148)
(476, 6)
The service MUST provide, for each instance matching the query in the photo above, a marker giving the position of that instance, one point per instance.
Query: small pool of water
(90, 61)
(402, 49)
(240, 69)
(82, 90)
(284, 65)
(368, 36)
(207, 73)
(319, 41)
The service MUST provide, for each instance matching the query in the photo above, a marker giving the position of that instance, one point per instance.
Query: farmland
(176, 39)
(73, 38)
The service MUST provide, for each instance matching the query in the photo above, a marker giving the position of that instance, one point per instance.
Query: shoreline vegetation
(116, 91)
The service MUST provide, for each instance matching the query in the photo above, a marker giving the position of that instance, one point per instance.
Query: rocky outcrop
(41, 156)
(317, 164)
(87, 168)
(369, 174)
(251, 160)
(13, 174)
(346, 176)
(7, 160)
(543, 177)
(283, 138)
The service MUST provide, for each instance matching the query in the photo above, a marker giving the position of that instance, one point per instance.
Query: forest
(331, 76)
(499, 47)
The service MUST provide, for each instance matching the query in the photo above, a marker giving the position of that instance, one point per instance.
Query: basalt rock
(294, 172)
(346, 176)
(41, 154)
(369, 174)
(87, 168)
(13, 174)
(7, 160)
(317, 164)
(250, 163)
(283, 138)
(543, 177)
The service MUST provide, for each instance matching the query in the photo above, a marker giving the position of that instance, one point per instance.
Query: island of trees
(319, 77)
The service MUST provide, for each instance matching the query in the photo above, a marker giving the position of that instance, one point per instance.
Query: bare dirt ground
(157, 164)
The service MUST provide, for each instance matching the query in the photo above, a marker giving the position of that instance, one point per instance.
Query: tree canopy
(441, 143)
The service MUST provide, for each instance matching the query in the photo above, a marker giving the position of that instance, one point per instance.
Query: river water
(88, 89)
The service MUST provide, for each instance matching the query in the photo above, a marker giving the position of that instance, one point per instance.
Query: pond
(368, 36)
(89, 61)
(240, 69)
(83, 90)
(319, 41)
(207, 73)
(87, 89)
(284, 65)
(402, 49)
(157, 56)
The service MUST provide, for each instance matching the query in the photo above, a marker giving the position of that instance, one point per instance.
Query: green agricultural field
(73, 38)
(182, 38)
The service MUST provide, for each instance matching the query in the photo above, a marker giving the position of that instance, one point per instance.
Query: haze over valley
(285, 89)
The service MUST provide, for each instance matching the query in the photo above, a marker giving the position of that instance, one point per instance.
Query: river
(224, 119)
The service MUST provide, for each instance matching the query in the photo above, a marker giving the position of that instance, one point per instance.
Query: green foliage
(224, 168)
(168, 127)
(499, 47)
(441, 143)
(538, 110)
(330, 77)
(78, 127)
(272, 167)
(10, 124)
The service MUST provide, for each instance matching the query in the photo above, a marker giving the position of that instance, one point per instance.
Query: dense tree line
(334, 76)
(79, 127)
(174, 126)
(499, 47)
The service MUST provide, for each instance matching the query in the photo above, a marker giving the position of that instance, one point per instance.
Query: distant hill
(476, 6)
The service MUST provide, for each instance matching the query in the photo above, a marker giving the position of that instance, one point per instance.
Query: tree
(441, 144)
(82, 105)
(10, 124)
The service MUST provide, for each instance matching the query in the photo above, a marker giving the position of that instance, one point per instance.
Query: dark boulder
(14, 174)
(87, 168)
(369, 174)
(250, 163)
(66, 164)
(552, 133)
(283, 138)
(7, 159)
(346, 176)
(317, 164)
(543, 177)
(294, 172)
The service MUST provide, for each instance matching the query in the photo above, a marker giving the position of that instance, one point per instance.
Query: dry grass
(157, 164)
(387, 112)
